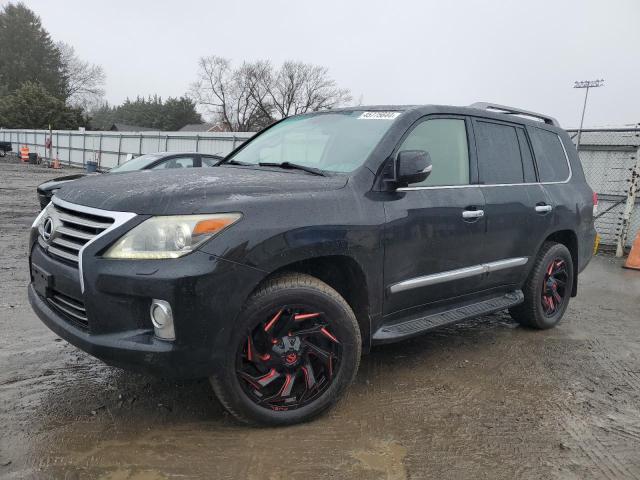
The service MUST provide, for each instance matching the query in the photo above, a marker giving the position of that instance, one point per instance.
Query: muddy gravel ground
(484, 399)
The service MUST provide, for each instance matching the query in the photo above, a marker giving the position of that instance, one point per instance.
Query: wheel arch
(347, 277)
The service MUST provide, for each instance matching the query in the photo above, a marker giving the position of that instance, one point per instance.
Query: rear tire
(282, 338)
(548, 288)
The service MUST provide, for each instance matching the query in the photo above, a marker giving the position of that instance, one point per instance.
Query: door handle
(473, 213)
(543, 208)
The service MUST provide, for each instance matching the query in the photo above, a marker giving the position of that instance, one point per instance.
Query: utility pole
(586, 84)
(50, 146)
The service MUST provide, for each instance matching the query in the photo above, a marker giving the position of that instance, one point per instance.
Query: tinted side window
(446, 141)
(550, 156)
(499, 158)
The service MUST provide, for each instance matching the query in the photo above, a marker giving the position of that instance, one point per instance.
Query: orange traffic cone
(633, 260)
(24, 154)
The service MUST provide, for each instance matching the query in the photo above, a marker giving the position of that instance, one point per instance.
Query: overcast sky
(520, 53)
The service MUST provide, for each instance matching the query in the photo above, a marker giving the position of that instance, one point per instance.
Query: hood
(57, 182)
(193, 190)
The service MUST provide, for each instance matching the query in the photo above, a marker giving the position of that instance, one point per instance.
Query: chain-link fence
(612, 167)
(109, 149)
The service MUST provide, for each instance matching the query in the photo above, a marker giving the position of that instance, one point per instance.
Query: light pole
(587, 84)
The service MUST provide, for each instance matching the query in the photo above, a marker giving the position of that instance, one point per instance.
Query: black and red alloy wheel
(289, 359)
(554, 287)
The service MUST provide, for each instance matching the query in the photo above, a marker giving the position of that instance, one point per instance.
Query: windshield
(137, 163)
(335, 142)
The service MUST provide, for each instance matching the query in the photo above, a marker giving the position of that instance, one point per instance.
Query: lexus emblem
(47, 229)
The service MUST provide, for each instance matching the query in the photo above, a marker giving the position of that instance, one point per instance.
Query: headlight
(170, 236)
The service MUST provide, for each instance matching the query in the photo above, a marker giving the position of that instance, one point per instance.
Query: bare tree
(85, 80)
(300, 87)
(254, 95)
(229, 94)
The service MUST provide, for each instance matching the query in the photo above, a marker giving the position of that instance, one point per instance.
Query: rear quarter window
(550, 156)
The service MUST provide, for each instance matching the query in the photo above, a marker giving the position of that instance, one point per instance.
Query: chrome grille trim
(67, 244)
(76, 236)
(56, 251)
(70, 307)
(69, 303)
(62, 254)
(68, 311)
(72, 232)
(65, 217)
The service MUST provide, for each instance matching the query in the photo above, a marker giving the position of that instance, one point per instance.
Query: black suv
(323, 235)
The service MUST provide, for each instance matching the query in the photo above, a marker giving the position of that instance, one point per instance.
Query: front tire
(292, 354)
(548, 288)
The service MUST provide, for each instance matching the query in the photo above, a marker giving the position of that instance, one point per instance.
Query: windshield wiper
(294, 166)
(230, 161)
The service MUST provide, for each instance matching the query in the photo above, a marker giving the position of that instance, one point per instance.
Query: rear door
(517, 208)
(434, 232)
(554, 174)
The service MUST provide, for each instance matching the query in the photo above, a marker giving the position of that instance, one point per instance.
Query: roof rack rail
(514, 111)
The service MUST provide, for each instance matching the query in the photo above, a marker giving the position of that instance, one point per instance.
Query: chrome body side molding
(457, 274)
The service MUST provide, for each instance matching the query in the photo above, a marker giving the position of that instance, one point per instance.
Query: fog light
(162, 319)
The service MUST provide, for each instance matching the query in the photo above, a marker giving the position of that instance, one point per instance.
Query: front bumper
(206, 294)
(134, 349)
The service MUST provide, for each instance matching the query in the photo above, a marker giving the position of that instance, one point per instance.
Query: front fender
(277, 233)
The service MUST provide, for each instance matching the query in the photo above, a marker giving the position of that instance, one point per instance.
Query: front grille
(72, 229)
(69, 307)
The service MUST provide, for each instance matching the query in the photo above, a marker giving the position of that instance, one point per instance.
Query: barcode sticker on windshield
(378, 115)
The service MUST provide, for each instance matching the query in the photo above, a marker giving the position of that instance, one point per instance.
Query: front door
(434, 230)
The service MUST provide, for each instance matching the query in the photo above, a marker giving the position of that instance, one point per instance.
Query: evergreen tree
(179, 112)
(149, 112)
(102, 117)
(27, 53)
(31, 106)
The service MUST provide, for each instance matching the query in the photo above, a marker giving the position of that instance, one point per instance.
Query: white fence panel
(111, 148)
(182, 144)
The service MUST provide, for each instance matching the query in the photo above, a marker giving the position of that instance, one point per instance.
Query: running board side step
(416, 326)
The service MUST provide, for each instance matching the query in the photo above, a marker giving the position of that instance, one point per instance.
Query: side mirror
(412, 166)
